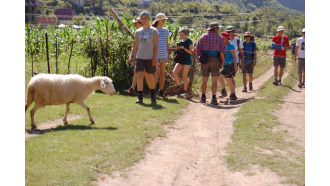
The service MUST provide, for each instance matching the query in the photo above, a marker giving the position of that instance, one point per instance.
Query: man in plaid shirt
(213, 46)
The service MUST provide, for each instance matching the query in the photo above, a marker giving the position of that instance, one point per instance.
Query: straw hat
(160, 16)
(213, 25)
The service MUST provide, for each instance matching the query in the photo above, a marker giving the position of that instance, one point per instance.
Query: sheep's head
(107, 86)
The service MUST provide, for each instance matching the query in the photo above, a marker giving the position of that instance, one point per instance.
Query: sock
(279, 79)
(214, 96)
(275, 78)
(203, 95)
(152, 91)
(139, 93)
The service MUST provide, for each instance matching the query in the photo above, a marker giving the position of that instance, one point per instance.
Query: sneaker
(232, 96)
(179, 89)
(203, 99)
(214, 101)
(244, 89)
(300, 85)
(161, 93)
(140, 99)
(303, 84)
(223, 93)
(279, 82)
(188, 96)
(153, 97)
(250, 86)
(130, 91)
(275, 83)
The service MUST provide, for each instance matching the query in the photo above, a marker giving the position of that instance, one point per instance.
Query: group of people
(219, 55)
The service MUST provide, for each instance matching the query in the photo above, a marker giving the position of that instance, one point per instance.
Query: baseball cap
(146, 13)
(303, 30)
(229, 28)
(280, 28)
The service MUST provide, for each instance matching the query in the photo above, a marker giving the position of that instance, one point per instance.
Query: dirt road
(193, 151)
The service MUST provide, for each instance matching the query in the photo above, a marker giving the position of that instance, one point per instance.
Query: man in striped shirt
(213, 46)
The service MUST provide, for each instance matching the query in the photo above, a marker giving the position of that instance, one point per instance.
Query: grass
(77, 153)
(255, 143)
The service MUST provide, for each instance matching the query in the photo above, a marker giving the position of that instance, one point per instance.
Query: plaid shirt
(210, 41)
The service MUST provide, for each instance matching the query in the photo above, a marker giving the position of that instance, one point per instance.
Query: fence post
(47, 53)
(191, 74)
(31, 56)
(56, 53)
(70, 56)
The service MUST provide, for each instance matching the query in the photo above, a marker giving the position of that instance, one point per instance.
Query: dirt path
(49, 125)
(193, 151)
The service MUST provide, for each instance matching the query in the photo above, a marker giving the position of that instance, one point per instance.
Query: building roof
(148, 2)
(65, 11)
(32, 3)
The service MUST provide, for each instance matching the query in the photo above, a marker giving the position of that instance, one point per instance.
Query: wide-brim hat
(213, 25)
(247, 34)
(160, 16)
(303, 30)
(224, 35)
(137, 20)
(229, 29)
(280, 28)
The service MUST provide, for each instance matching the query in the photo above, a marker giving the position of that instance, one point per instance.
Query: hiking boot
(161, 94)
(153, 96)
(250, 86)
(179, 89)
(232, 96)
(214, 101)
(303, 84)
(130, 91)
(223, 93)
(279, 82)
(244, 89)
(275, 83)
(300, 85)
(140, 99)
(203, 99)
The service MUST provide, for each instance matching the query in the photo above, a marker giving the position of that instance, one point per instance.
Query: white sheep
(54, 89)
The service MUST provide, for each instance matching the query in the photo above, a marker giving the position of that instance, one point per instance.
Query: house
(64, 15)
(31, 11)
(144, 4)
(44, 21)
(77, 2)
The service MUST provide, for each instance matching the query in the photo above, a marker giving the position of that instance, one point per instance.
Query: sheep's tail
(30, 97)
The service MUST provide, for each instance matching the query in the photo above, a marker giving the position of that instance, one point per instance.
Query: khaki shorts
(301, 65)
(212, 66)
(145, 64)
(162, 60)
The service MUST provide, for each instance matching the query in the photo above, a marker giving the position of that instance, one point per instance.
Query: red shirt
(277, 39)
(210, 41)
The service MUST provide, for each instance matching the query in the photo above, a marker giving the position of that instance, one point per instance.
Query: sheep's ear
(102, 84)
(111, 80)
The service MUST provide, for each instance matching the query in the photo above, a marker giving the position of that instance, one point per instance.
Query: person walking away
(300, 51)
(163, 52)
(186, 45)
(293, 48)
(138, 24)
(281, 44)
(230, 65)
(250, 60)
(145, 56)
(210, 51)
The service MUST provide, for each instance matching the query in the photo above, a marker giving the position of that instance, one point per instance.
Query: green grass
(77, 153)
(255, 143)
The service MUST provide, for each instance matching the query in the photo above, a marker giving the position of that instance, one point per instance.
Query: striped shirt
(210, 41)
(162, 45)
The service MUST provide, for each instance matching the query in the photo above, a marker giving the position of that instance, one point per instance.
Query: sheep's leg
(32, 112)
(67, 109)
(88, 112)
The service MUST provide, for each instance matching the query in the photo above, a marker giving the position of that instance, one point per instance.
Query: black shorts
(248, 68)
(277, 60)
(228, 71)
(301, 65)
(145, 64)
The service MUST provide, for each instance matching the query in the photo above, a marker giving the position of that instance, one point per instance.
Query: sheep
(54, 89)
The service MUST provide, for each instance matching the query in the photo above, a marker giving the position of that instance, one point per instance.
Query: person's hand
(130, 60)
(235, 68)
(254, 63)
(154, 62)
(181, 47)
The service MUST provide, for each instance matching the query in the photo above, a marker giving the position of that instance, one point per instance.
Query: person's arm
(255, 55)
(131, 54)
(190, 50)
(136, 48)
(296, 53)
(233, 53)
(168, 49)
(154, 60)
(222, 55)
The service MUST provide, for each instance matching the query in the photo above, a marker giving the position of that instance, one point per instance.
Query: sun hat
(146, 13)
(280, 28)
(303, 30)
(160, 16)
(247, 34)
(230, 28)
(185, 31)
(213, 25)
(137, 20)
(224, 35)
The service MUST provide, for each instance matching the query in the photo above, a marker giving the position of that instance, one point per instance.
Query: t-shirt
(278, 40)
(248, 50)
(301, 50)
(162, 46)
(293, 47)
(229, 59)
(234, 42)
(187, 57)
(146, 42)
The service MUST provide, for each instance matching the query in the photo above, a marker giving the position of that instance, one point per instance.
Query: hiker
(230, 65)
(138, 24)
(238, 44)
(280, 43)
(145, 56)
(210, 51)
(293, 48)
(186, 46)
(163, 52)
(300, 51)
(250, 60)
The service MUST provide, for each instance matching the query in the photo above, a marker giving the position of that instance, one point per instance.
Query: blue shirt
(162, 46)
(229, 59)
(248, 50)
